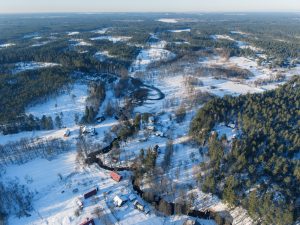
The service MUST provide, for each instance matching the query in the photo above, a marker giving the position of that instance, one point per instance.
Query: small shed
(138, 205)
(159, 134)
(88, 222)
(115, 176)
(132, 197)
(146, 210)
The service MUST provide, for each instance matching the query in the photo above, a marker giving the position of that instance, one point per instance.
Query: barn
(90, 193)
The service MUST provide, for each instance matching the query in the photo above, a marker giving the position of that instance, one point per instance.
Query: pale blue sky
(13, 6)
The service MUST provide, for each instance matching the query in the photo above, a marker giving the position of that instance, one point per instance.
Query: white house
(119, 201)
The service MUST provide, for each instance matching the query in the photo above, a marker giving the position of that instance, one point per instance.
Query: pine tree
(58, 122)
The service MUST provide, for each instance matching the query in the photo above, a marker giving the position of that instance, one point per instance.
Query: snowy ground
(101, 31)
(103, 55)
(6, 45)
(180, 30)
(113, 39)
(40, 44)
(73, 33)
(23, 66)
(155, 52)
(240, 44)
(55, 199)
(80, 42)
(165, 20)
(67, 104)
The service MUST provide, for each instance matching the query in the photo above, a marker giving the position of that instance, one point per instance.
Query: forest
(261, 169)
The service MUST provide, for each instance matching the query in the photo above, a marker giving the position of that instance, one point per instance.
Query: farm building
(115, 176)
(90, 193)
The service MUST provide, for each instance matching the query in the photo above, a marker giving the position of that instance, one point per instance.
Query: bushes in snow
(27, 149)
(15, 199)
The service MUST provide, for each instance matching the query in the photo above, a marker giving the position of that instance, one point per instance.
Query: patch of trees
(28, 149)
(146, 162)
(180, 114)
(96, 97)
(261, 171)
(27, 88)
(273, 79)
(29, 123)
(224, 72)
(15, 198)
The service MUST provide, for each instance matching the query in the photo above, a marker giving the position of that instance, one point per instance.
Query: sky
(40, 6)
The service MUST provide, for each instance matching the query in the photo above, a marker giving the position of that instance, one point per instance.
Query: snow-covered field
(40, 44)
(6, 45)
(68, 104)
(103, 55)
(23, 66)
(166, 20)
(101, 31)
(73, 33)
(80, 42)
(180, 30)
(113, 39)
(155, 52)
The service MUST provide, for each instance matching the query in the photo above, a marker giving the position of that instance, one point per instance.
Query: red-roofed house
(115, 176)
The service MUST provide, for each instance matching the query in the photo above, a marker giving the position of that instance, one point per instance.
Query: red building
(115, 176)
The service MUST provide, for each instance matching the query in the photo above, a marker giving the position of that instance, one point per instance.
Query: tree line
(261, 170)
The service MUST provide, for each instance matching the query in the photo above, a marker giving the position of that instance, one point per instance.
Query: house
(67, 133)
(138, 205)
(115, 176)
(91, 131)
(88, 222)
(114, 159)
(231, 125)
(79, 203)
(119, 200)
(90, 193)
(159, 134)
(151, 128)
(132, 197)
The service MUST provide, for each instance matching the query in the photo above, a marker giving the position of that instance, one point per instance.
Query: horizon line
(147, 12)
